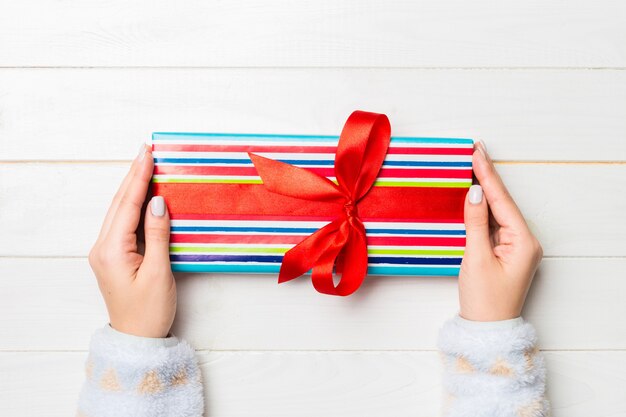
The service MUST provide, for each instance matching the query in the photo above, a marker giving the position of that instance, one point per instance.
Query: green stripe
(379, 183)
(285, 249)
(463, 184)
(415, 252)
(208, 180)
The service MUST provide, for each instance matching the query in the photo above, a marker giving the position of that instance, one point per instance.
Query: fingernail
(482, 148)
(142, 152)
(157, 206)
(475, 194)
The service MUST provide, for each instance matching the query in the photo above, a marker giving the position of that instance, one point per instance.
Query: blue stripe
(309, 230)
(191, 161)
(156, 136)
(414, 271)
(278, 259)
(274, 269)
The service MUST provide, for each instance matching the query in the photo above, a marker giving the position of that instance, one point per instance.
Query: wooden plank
(318, 383)
(55, 209)
(350, 33)
(574, 304)
(103, 114)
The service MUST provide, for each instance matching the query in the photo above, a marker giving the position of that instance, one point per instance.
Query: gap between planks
(363, 351)
(311, 67)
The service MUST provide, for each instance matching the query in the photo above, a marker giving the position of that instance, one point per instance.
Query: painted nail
(475, 194)
(482, 148)
(157, 206)
(142, 152)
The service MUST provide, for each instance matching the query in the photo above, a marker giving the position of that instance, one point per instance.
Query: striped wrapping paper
(208, 178)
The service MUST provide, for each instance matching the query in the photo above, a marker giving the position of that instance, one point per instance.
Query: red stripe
(252, 217)
(295, 239)
(302, 149)
(184, 216)
(327, 172)
(430, 204)
(430, 151)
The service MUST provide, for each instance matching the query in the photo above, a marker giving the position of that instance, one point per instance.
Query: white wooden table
(82, 83)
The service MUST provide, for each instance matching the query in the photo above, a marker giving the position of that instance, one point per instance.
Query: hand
(501, 254)
(139, 290)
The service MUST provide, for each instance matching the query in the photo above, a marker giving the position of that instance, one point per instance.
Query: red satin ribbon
(360, 153)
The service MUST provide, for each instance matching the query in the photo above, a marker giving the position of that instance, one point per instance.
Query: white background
(83, 83)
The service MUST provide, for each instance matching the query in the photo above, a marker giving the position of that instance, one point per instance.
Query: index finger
(128, 213)
(504, 210)
(115, 202)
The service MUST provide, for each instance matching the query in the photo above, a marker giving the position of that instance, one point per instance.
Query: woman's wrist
(488, 325)
(127, 338)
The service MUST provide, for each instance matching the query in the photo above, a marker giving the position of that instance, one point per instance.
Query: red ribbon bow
(360, 153)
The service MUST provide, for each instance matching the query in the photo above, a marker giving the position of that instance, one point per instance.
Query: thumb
(157, 234)
(476, 214)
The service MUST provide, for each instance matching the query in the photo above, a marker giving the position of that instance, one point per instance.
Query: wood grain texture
(326, 33)
(293, 384)
(247, 312)
(103, 114)
(56, 209)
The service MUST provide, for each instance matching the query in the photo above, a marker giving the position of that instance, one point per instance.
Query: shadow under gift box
(225, 220)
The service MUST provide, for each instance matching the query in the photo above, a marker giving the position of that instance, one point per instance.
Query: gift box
(361, 203)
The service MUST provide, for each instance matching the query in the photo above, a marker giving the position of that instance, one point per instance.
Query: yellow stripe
(221, 249)
(378, 183)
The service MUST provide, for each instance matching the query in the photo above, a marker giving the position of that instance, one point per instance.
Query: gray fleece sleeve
(136, 376)
(492, 369)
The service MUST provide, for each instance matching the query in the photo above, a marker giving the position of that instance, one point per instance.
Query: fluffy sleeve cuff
(140, 376)
(492, 369)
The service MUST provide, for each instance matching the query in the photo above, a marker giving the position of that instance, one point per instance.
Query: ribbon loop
(361, 151)
(360, 154)
(290, 180)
